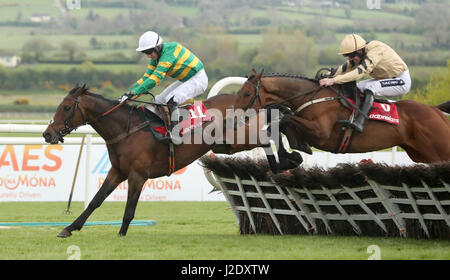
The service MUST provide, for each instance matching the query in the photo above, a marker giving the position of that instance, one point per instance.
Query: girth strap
(324, 99)
(171, 158)
(126, 134)
(345, 140)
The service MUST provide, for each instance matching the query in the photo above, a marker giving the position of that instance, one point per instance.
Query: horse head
(68, 116)
(250, 94)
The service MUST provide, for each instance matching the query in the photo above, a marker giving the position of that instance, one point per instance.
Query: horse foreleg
(286, 160)
(111, 181)
(294, 138)
(135, 183)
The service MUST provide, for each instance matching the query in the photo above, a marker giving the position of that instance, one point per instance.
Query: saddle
(161, 124)
(158, 117)
(351, 97)
(159, 120)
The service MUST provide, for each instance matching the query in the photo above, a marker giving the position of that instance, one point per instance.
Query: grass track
(184, 231)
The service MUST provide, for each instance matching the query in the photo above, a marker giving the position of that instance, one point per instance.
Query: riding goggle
(148, 51)
(351, 55)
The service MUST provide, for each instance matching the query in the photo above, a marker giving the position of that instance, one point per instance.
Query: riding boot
(173, 107)
(358, 122)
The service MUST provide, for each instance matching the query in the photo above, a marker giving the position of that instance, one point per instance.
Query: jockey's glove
(125, 97)
(172, 102)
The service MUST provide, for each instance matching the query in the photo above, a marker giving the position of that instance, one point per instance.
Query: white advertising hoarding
(46, 172)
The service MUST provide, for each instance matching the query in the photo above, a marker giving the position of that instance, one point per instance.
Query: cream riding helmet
(351, 44)
(149, 41)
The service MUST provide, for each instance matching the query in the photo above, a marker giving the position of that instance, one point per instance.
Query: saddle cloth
(198, 114)
(382, 111)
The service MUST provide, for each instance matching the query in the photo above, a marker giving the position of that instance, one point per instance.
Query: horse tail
(444, 107)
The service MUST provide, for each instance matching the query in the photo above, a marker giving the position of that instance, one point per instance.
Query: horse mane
(287, 75)
(96, 95)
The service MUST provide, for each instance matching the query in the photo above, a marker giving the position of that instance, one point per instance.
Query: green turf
(184, 230)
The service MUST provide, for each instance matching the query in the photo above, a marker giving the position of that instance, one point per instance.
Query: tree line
(281, 50)
(47, 79)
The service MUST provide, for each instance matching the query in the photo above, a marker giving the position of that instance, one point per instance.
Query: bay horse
(134, 154)
(423, 131)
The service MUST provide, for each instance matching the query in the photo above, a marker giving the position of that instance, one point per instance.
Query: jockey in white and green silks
(174, 60)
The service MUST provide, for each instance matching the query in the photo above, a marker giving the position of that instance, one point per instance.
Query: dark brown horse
(423, 131)
(135, 154)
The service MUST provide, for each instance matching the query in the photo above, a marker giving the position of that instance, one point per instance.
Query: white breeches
(182, 91)
(388, 87)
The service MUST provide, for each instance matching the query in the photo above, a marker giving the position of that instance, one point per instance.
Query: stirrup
(175, 139)
(352, 125)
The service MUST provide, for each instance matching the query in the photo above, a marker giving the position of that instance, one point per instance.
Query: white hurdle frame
(309, 207)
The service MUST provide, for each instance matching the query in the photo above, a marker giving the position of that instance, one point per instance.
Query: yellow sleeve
(147, 74)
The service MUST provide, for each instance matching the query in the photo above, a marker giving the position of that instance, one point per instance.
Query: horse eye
(66, 108)
(247, 94)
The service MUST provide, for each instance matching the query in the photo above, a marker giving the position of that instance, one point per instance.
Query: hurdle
(347, 200)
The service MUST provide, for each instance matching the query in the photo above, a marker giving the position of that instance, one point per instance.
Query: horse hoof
(64, 233)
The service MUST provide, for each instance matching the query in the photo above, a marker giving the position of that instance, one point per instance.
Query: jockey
(174, 60)
(390, 74)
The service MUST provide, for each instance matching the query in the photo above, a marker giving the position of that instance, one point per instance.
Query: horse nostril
(46, 135)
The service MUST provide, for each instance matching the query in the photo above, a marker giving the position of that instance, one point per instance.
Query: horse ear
(84, 89)
(260, 74)
(252, 74)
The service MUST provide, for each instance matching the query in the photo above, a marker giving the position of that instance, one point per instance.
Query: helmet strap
(158, 50)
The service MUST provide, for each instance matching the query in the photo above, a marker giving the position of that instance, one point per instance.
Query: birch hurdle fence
(350, 199)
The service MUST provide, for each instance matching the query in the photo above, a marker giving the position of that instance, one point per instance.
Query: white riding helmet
(149, 40)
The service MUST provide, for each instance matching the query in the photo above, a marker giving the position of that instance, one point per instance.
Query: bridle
(67, 127)
(254, 97)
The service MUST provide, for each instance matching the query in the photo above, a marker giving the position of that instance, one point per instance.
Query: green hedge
(32, 79)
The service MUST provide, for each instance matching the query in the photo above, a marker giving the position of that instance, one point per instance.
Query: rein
(68, 129)
(314, 90)
(257, 95)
